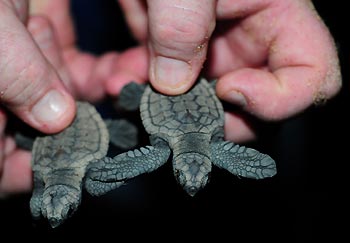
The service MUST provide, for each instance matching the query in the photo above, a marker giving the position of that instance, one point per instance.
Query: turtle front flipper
(242, 161)
(130, 96)
(95, 186)
(37, 197)
(107, 174)
(122, 133)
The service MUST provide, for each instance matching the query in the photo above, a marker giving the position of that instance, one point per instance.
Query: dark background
(304, 202)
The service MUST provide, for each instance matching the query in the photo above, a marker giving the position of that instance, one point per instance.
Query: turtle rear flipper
(37, 197)
(107, 174)
(122, 133)
(130, 96)
(242, 161)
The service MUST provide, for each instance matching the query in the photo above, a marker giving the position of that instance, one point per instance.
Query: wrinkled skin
(29, 45)
(272, 58)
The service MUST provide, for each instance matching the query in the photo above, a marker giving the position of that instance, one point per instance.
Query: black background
(304, 202)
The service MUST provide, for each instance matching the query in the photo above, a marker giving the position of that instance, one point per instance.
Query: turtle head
(192, 171)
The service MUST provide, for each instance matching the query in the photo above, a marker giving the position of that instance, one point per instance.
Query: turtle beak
(191, 190)
(192, 171)
(191, 187)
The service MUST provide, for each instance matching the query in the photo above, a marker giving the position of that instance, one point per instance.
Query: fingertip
(270, 96)
(178, 40)
(131, 65)
(165, 88)
(171, 76)
(115, 84)
(255, 91)
(53, 112)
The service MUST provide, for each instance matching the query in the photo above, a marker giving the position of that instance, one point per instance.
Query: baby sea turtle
(191, 126)
(60, 161)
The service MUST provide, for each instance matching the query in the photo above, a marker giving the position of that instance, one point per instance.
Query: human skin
(41, 73)
(272, 58)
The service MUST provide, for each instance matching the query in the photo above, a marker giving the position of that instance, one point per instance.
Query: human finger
(45, 37)
(84, 74)
(238, 129)
(2, 138)
(179, 32)
(131, 65)
(16, 175)
(135, 13)
(29, 85)
(301, 62)
(15, 170)
(58, 12)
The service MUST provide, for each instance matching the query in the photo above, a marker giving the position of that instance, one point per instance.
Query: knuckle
(22, 87)
(181, 30)
(18, 8)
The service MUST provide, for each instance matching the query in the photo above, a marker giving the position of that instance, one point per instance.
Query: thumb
(29, 86)
(179, 32)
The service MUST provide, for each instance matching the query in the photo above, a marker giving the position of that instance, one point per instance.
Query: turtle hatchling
(60, 161)
(191, 127)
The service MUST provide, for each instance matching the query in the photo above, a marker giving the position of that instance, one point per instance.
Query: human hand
(30, 88)
(41, 70)
(272, 58)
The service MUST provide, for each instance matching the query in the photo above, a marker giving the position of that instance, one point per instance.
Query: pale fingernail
(51, 107)
(171, 72)
(235, 97)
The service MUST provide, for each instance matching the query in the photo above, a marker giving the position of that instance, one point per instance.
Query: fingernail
(235, 97)
(51, 107)
(171, 72)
